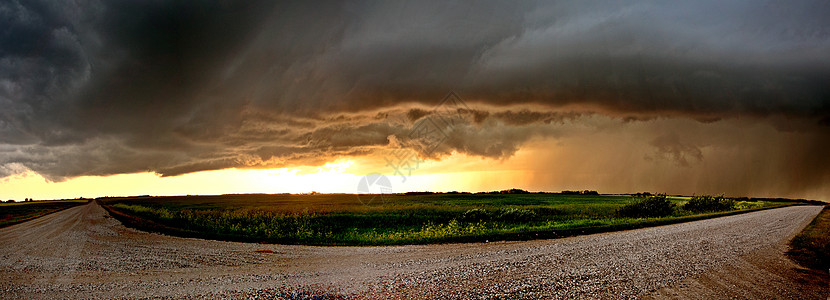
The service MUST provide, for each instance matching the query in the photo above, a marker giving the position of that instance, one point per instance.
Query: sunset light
(487, 149)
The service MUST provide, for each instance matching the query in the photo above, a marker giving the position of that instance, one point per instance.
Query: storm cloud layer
(172, 87)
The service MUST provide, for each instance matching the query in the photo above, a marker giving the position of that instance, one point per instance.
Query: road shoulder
(763, 274)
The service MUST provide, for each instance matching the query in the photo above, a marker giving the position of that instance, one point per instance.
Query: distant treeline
(417, 193)
(510, 191)
(12, 200)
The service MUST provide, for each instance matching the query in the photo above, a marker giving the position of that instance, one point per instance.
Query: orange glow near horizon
(336, 177)
(542, 165)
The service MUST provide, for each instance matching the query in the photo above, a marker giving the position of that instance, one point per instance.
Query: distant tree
(418, 193)
(10, 201)
(515, 191)
(585, 192)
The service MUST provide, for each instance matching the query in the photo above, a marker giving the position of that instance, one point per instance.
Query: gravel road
(84, 253)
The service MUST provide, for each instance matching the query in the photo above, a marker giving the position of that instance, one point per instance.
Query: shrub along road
(83, 253)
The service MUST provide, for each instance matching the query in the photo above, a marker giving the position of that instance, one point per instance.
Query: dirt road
(82, 253)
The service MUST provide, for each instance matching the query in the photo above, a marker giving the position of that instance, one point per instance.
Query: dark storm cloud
(96, 88)
(669, 146)
(693, 58)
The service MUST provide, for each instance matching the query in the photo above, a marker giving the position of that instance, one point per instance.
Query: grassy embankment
(18, 212)
(811, 247)
(398, 219)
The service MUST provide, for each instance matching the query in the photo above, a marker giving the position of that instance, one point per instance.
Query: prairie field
(415, 218)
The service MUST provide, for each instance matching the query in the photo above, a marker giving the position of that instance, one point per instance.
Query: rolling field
(345, 219)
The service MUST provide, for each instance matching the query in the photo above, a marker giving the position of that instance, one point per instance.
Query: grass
(18, 212)
(811, 247)
(342, 219)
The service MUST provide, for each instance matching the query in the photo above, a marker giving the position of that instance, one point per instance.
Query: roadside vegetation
(16, 212)
(811, 247)
(413, 218)
(647, 206)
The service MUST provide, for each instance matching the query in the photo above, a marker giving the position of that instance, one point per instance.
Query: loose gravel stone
(83, 253)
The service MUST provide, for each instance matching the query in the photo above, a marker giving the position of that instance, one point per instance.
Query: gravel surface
(84, 253)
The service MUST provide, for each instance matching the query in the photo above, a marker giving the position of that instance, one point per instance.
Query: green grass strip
(811, 247)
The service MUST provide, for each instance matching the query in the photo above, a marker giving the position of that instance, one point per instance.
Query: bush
(706, 203)
(649, 206)
(475, 215)
(748, 205)
(515, 215)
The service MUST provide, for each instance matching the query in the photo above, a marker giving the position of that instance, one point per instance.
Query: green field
(342, 219)
(16, 212)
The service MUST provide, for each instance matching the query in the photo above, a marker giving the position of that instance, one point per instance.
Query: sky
(116, 98)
